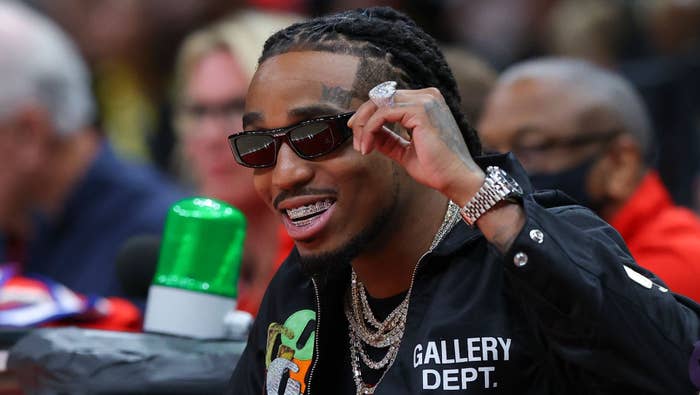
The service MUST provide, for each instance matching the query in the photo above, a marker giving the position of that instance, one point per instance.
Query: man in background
(67, 203)
(584, 130)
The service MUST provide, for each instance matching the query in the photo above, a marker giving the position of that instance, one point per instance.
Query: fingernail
(352, 118)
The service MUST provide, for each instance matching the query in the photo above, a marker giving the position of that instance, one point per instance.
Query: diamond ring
(383, 94)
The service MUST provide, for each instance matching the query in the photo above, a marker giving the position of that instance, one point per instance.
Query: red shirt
(661, 236)
(250, 301)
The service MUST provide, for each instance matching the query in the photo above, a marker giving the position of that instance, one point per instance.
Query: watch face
(514, 184)
(508, 181)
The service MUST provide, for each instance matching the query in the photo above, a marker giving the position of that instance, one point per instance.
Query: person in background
(67, 203)
(582, 129)
(474, 77)
(654, 45)
(594, 30)
(214, 68)
(130, 47)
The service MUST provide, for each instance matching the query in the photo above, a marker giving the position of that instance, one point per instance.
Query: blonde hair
(242, 34)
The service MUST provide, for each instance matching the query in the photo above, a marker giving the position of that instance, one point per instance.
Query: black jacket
(580, 317)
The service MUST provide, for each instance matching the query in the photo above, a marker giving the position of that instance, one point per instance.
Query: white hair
(39, 64)
(601, 87)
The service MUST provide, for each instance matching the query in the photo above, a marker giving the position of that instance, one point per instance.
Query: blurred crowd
(169, 80)
(131, 47)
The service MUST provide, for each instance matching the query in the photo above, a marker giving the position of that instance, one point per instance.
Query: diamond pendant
(364, 389)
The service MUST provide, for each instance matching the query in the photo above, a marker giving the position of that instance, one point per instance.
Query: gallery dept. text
(460, 352)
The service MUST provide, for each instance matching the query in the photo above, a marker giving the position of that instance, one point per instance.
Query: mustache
(286, 194)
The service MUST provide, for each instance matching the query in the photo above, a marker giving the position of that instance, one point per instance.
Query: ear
(622, 168)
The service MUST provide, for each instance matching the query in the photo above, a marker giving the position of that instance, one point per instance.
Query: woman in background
(214, 68)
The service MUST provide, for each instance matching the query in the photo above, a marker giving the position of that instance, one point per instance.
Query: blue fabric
(114, 201)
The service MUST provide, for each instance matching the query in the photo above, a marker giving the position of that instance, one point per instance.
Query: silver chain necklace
(367, 330)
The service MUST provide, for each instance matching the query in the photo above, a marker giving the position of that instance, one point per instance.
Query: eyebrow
(252, 117)
(315, 110)
(300, 113)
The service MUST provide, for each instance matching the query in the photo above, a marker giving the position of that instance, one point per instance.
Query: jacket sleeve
(596, 308)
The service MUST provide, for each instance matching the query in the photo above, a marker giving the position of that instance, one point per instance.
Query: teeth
(303, 222)
(310, 209)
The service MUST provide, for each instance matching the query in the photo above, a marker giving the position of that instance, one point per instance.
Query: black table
(82, 361)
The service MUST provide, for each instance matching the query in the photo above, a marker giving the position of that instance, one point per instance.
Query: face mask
(571, 181)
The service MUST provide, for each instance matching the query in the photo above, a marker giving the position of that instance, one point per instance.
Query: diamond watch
(497, 186)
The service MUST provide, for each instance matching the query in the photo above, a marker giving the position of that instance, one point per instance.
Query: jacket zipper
(318, 318)
(318, 325)
(318, 314)
(318, 321)
(413, 276)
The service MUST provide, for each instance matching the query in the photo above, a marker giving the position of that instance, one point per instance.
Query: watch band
(497, 186)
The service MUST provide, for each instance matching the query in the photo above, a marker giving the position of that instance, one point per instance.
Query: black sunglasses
(309, 139)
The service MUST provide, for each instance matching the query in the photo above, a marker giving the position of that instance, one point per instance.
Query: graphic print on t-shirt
(290, 349)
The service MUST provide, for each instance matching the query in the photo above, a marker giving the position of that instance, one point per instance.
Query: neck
(614, 202)
(608, 211)
(68, 161)
(388, 271)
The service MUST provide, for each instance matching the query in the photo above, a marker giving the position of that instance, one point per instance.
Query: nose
(291, 171)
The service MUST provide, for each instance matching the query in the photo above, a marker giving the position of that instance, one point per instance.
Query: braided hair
(390, 46)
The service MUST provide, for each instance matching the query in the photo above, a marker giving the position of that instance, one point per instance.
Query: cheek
(13, 185)
(262, 183)
(203, 148)
(191, 145)
(369, 178)
(493, 140)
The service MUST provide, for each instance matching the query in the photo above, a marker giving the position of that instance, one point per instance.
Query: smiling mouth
(304, 215)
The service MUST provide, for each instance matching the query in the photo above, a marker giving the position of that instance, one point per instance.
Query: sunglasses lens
(315, 139)
(256, 151)
(309, 140)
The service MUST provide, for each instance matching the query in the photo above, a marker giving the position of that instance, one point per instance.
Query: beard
(332, 263)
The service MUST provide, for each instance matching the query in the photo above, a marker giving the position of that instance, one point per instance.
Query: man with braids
(419, 266)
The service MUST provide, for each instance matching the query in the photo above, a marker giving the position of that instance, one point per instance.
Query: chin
(327, 263)
(322, 265)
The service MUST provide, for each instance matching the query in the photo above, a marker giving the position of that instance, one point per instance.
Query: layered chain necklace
(367, 330)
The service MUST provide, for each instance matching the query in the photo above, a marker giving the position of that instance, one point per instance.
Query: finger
(389, 115)
(369, 107)
(358, 120)
(409, 106)
(381, 131)
(387, 142)
(410, 118)
(375, 124)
